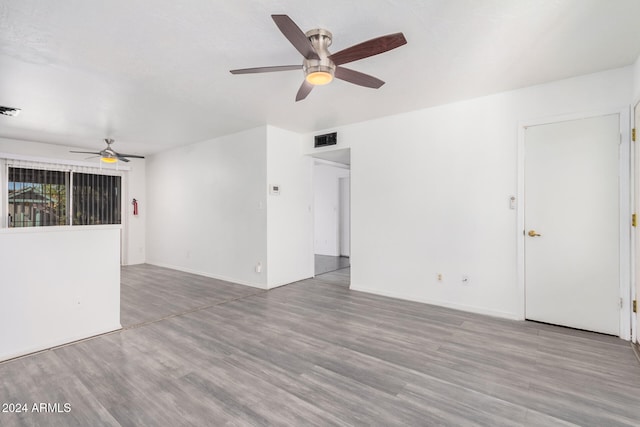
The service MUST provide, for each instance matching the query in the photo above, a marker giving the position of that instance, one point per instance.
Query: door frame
(624, 167)
(635, 199)
(341, 208)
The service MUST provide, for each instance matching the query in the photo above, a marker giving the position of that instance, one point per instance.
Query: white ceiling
(153, 74)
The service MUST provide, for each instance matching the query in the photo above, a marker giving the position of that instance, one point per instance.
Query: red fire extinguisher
(135, 206)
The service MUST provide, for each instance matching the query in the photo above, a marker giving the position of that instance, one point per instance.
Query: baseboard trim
(59, 343)
(212, 276)
(446, 304)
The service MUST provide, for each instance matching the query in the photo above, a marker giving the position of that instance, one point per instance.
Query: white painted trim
(520, 223)
(212, 276)
(625, 208)
(446, 304)
(312, 224)
(318, 161)
(635, 175)
(335, 147)
(4, 194)
(626, 230)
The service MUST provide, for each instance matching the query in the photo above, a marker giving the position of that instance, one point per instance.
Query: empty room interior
(258, 213)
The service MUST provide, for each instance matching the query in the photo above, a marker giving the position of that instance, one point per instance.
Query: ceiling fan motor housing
(324, 67)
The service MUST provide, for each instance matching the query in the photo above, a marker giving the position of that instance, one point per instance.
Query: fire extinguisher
(135, 206)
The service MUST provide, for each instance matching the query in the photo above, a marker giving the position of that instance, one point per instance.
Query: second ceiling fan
(320, 66)
(109, 155)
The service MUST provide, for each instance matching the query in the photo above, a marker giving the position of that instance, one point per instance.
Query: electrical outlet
(439, 277)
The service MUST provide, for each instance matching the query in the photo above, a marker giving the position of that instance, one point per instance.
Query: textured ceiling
(154, 74)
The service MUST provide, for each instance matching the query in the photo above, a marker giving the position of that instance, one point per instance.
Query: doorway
(575, 246)
(332, 216)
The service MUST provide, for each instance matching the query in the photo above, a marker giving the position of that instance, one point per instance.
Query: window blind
(96, 199)
(45, 197)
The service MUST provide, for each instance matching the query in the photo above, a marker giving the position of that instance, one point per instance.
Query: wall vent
(325, 140)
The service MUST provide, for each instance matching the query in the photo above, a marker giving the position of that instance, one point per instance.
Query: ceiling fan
(109, 155)
(320, 66)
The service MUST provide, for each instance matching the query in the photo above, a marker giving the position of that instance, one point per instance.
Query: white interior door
(572, 224)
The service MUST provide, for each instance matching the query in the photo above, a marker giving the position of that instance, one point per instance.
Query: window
(96, 199)
(39, 197)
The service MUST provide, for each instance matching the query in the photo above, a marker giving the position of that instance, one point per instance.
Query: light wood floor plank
(199, 351)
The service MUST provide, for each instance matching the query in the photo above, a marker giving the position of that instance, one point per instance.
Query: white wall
(206, 208)
(135, 225)
(210, 212)
(430, 192)
(289, 214)
(58, 285)
(326, 187)
(133, 182)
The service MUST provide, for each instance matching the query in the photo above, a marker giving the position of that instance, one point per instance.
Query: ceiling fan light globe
(319, 78)
(108, 159)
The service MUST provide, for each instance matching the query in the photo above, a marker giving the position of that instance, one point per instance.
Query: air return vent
(326, 140)
(8, 111)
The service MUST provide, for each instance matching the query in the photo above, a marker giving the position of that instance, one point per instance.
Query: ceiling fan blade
(266, 69)
(358, 78)
(133, 156)
(294, 34)
(368, 48)
(85, 152)
(121, 157)
(304, 90)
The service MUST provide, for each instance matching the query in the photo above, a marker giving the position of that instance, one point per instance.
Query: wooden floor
(197, 351)
(327, 263)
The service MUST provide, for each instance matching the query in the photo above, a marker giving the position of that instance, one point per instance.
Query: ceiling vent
(8, 111)
(326, 140)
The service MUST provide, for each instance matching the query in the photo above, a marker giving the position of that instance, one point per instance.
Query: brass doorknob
(533, 233)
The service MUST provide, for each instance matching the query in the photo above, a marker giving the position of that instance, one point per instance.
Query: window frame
(8, 160)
